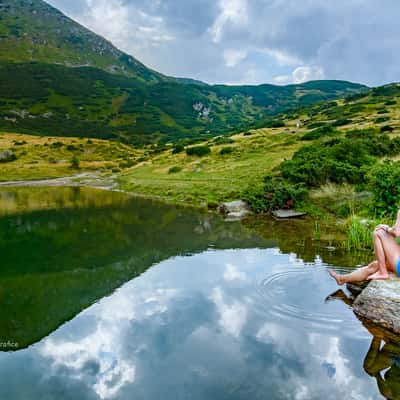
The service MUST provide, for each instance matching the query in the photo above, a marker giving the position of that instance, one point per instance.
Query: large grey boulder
(380, 303)
(6, 155)
(235, 209)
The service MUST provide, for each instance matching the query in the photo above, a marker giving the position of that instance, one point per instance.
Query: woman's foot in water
(338, 278)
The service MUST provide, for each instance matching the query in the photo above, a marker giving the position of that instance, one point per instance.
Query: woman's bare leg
(358, 275)
(387, 252)
(380, 255)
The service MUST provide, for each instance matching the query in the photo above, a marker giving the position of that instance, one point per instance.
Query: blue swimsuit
(398, 267)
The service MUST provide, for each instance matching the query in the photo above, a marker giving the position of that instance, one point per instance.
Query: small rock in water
(288, 214)
(235, 209)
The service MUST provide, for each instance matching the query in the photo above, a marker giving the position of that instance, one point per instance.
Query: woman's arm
(395, 229)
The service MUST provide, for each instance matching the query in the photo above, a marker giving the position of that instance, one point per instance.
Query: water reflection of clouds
(191, 327)
(232, 317)
(99, 358)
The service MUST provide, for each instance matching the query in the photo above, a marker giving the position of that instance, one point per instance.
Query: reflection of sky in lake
(237, 324)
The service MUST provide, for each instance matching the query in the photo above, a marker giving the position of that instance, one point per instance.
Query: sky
(252, 41)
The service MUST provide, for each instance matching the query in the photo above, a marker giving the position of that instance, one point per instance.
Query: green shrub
(387, 128)
(382, 111)
(384, 182)
(342, 121)
(274, 193)
(19, 143)
(338, 161)
(275, 123)
(178, 148)
(75, 162)
(71, 147)
(226, 150)
(199, 151)
(326, 130)
(316, 124)
(223, 140)
(56, 145)
(175, 169)
(379, 120)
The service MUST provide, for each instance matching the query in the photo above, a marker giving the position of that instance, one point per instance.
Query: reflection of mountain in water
(80, 245)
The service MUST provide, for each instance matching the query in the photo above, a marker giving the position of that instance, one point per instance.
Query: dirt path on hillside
(83, 179)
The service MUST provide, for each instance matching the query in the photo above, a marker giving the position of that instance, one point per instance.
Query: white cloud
(282, 57)
(188, 38)
(232, 273)
(232, 316)
(233, 57)
(307, 73)
(232, 11)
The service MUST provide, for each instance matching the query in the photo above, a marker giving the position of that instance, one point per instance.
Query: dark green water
(108, 297)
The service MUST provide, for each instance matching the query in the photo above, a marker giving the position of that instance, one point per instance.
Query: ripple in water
(300, 296)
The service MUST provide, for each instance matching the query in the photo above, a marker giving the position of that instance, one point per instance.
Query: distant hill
(59, 78)
(32, 30)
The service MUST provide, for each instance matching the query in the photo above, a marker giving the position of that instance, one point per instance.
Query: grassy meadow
(52, 157)
(234, 164)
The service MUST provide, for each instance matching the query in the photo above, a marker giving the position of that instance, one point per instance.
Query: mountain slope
(50, 99)
(32, 30)
(59, 78)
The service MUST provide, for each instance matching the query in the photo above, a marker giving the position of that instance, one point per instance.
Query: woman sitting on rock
(387, 253)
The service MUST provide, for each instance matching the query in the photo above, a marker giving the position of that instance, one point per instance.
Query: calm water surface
(108, 297)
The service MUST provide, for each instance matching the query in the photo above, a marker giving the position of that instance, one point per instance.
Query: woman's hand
(383, 227)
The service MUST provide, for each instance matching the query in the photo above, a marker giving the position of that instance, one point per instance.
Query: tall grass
(360, 231)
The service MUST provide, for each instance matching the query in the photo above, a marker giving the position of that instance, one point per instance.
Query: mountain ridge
(57, 77)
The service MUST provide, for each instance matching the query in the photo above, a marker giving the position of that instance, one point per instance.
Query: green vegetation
(385, 186)
(75, 162)
(55, 100)
(59, 40)
(320, 146)
(226, 150)
(198, 151)
(275, 193)
(71, 82)
(36, 157)
(175, 169)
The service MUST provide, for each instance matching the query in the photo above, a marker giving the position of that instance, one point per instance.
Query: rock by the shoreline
(287, 214)
(380, 303)
(355, 288)
(235, 209)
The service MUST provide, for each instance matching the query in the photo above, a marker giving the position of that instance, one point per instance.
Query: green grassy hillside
(364, 126)
(32, 30)
(55, 100)
(356, 133)
(59, 78)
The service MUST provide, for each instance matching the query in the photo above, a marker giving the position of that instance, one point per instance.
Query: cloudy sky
(252, 41)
